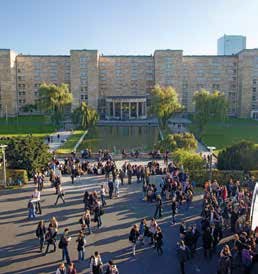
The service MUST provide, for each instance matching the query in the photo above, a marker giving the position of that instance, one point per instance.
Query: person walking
(158, 237)
(173, 209)
(97, 215)
(158, 207)
(51, 238)
(36, 199)
(121, 176)
(133, 237)
(102, 195)
(182, 255)
(63, 244)
(110, 188)
(61, 269)
(207, 243)
(81, 243)
(86, 221)
(60, 194)
(40, 233)
(117, 185)
(96, 263)
(31, 208)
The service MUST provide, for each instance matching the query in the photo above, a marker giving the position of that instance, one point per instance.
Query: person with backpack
(225, 261)
(133, 237)
(81, 243)
(63, 244)
(51, 237)
(112, 268)
(96, 263)
(40, 233)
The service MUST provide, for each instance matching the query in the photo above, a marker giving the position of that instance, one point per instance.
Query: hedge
(222, 176)
(16, 175)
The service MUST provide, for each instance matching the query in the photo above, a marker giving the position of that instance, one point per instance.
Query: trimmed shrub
(222, 176)
(176, 141)
(16, 176)
(189, 160)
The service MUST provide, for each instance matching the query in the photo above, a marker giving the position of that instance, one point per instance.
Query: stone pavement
(19, 246)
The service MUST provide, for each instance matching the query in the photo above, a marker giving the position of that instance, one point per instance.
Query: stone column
(137, 110)
(129, 110)
(114, 110)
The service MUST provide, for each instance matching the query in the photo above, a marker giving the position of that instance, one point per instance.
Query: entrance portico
(126, 107)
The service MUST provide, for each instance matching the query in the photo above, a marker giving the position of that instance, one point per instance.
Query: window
(254, 98)
(83, 59)
(254, 81)
(215, 86)
(83, 65)
(254, 89)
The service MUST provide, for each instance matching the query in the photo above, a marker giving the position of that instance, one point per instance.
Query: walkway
(55, 143)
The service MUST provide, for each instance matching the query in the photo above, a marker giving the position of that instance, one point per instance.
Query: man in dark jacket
(207, 242)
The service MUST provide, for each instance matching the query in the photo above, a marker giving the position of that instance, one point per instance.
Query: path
(55, 142)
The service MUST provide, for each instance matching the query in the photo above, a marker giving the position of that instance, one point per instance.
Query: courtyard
(20, 247)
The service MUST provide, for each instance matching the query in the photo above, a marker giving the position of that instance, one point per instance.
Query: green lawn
(23, 125)
(70, 143)
(220, 134)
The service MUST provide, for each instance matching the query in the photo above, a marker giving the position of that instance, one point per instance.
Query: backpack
(61, 243)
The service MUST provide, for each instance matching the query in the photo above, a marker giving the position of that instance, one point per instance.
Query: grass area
(70, 143)
(223, 134)
(38, 125)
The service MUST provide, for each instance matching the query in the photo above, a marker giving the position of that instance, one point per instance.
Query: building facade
(231, 44)
(119, 87)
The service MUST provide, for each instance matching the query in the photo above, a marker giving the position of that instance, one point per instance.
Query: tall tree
(84, 116)
(209, 107)
(53, 99)
(28, 153)
(164, 103)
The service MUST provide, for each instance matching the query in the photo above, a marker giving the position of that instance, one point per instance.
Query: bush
(240, 156)
(176, 141)
(189, 160)
(17, 175)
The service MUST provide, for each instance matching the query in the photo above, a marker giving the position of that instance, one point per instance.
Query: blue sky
(124, 26)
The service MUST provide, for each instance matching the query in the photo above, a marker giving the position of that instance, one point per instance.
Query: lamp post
(4, 166)
(210, 160)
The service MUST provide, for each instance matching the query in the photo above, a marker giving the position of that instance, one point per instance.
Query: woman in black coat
(40, 233)
(207, 242)
(159, 240)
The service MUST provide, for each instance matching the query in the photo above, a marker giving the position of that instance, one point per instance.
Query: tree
(189, 160)
(208, 107)
(240, 156)
(164, 103)
(29, 153)
(53, 99)
(84, 116)
(172, 142)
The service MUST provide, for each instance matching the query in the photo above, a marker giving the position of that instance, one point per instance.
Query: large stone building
(119, 86)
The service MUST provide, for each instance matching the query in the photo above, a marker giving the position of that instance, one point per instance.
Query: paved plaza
(19, 248)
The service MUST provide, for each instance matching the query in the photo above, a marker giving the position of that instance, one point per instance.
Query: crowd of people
(225, 212)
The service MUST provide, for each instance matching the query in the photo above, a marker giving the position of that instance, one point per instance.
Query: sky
(124, 26)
